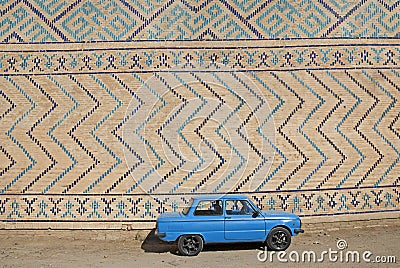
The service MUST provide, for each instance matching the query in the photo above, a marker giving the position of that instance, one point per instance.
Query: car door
(208, 220)
(240, 222)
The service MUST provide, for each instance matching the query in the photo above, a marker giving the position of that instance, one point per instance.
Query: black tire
(279, 239)
(190, 245)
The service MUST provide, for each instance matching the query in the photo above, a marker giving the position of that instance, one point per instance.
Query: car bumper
(160, 235)
(298, 231)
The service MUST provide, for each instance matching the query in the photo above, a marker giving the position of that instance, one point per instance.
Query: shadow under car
(154, 245)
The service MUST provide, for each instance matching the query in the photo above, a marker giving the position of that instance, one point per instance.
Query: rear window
(185, 210)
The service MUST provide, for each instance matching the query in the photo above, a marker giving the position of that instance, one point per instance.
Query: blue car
(226, 219)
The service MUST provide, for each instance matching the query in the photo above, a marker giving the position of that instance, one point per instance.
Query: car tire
(279, 239)
(190, 245)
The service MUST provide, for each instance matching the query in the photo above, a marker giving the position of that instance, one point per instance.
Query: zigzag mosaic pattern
(122, 131)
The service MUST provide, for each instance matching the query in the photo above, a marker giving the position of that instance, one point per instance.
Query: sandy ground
(63, 248)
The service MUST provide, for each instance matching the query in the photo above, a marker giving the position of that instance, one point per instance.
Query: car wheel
(279, 239)
(190, 245)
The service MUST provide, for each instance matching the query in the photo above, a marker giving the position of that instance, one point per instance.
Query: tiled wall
(117, 111)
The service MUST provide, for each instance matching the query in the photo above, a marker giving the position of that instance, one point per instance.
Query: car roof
(220, 197)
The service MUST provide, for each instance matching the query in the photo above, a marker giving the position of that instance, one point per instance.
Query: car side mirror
(255, 214)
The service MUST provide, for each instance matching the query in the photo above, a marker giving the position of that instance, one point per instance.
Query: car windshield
(187, 207)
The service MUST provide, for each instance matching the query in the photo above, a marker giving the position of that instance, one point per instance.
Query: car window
(238, 207)
(209, 208)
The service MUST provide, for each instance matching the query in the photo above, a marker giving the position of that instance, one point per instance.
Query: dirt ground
(101, 248)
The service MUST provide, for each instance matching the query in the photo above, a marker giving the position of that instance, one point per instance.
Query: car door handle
(227, 217)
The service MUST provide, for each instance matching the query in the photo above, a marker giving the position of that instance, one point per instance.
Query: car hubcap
(279, 240)
(190, 244)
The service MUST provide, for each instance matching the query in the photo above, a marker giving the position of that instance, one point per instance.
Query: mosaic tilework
(112, 20)
(341, 55)
(123, 131)
(322, 135)
(137, 208)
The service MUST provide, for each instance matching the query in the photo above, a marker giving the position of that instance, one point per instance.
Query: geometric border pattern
(137, 208)
(81, 21)
(244, 56)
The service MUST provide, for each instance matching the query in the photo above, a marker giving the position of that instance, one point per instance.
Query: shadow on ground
(153, 244)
